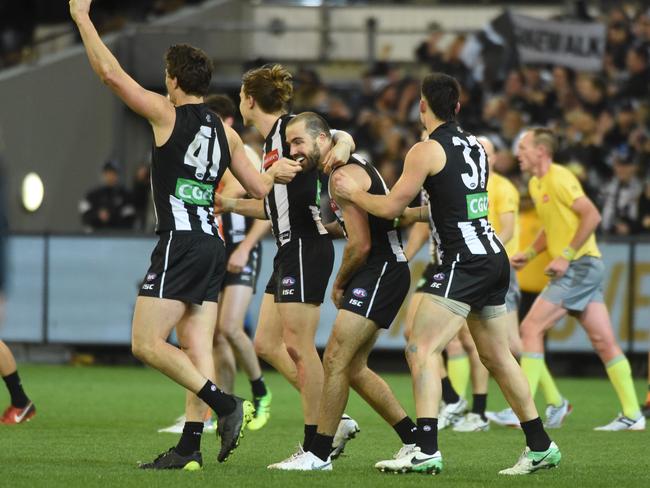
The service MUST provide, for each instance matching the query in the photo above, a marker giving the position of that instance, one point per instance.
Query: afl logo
(360, 293)
(288, 281)
(151, 276)
(439, 276)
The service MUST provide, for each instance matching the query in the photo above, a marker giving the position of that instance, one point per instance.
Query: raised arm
(423, 159)
(157, 109)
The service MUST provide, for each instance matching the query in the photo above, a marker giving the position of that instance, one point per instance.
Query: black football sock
(190, 440)
(321, 445)
(427, 435)
(258, 387)
(310, 432)
(220, 402)
(479, 402)
(449, 395)
(406, 430)
(536, 437)
(18, 397)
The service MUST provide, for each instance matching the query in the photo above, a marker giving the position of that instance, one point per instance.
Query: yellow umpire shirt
(503, 197)
(553, 195)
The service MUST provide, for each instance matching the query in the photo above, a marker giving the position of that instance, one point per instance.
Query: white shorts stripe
(374, 293)
(302, 276)
(162, 280)
(451, 275)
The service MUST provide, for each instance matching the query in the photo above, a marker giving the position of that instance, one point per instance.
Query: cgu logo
(194, 192)
(477, 205)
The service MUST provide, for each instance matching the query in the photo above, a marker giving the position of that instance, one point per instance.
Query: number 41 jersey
(458, 199)
(186, 169)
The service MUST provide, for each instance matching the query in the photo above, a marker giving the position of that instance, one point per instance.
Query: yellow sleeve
(568, 187)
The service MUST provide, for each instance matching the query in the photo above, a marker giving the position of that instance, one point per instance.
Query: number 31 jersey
(186, 169)
(458, 199)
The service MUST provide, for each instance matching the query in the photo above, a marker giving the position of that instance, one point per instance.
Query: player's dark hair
(191, 67)
(271, 87)
(441, 92)
(544, 137)
(222, 105)
(315, 125)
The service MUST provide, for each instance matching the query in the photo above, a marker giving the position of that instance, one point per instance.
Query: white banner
(577, 45)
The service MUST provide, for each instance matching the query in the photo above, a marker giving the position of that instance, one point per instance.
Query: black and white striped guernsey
(458, 198)
(294, 209)
(186, 169)
(385, 239)
(234, 228)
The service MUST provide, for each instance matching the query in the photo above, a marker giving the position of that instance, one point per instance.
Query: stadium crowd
(602, 119)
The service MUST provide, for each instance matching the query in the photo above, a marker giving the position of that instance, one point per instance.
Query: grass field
(95, 423)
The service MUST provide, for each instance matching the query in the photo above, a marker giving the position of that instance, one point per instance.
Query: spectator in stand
(621, 199)
(637, 84)
(109, 206)
(644, 211)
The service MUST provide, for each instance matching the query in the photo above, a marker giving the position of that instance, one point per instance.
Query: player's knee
(262, 348)
(332, 363)
(143, 350)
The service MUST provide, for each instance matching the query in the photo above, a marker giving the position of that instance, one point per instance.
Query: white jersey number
(471, 180)
(198, 156)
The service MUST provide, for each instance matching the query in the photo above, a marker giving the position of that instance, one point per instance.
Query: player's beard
(311, 160)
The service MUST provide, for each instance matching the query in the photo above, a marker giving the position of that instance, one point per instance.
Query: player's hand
(223, 205)
(79, 8)
(344, 186)
(337, 156)
(337, 296)
(519, 260)
(284, 170)
(238, 259)
(557, 267)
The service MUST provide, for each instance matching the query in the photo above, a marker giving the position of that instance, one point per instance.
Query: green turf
(95, 423)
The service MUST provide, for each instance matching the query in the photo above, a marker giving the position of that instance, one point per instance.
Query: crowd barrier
(81, 289)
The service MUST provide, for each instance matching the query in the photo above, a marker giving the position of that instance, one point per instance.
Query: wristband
(530, 253)
(568, 253)
(396, 223)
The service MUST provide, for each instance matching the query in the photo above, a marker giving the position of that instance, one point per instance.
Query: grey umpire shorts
(580, 285)
(513, 297)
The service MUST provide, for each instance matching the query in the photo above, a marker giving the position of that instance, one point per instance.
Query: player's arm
(231, 187)
(507, 221)
(417, 238)
(423, 159)
(157, 109)
(412, 215)
(589, 220)
(357, 247)
(248, 207)
(521, 259)
(340, 152)
(334, 229)
(257, 185)
(239, 256)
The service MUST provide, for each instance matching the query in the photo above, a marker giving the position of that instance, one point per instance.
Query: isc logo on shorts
(356, 303)
(435, 285)
(147, 286)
